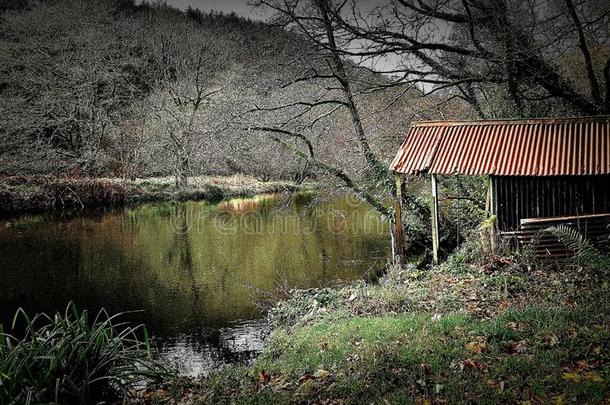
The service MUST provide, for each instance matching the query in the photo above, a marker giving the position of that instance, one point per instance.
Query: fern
(584, 252)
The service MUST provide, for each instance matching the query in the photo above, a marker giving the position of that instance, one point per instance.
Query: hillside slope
(111, 88)
(79, 79)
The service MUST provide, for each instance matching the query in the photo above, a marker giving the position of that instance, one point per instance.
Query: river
(194, 270)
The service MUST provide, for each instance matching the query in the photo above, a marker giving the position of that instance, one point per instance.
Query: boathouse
(541, 171)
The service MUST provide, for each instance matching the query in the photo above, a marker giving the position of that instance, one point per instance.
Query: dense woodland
(112, 88)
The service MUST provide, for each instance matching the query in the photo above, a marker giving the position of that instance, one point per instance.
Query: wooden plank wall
(593, 227)
(520, 197)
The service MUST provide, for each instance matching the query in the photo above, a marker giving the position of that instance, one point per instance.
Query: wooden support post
(435, 221)
(398, 245)
(492, 213)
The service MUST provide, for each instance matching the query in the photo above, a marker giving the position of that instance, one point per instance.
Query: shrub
(66, 358)
(303, 304)
(214, 193)
(30, 193)
(80, 193)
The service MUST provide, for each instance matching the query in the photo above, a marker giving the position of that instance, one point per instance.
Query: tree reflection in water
(190, 267)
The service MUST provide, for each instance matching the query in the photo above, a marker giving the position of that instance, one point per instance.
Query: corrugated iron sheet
(542, 147)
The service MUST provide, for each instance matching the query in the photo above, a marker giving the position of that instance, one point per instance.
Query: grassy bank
(501, 330)
(38, 193)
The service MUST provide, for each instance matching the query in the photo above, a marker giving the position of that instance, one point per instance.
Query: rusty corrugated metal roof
(540, 147)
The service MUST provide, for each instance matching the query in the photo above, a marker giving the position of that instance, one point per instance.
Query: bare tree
(178, 109)
(477, 47)
(343, 83)
(186, 65)
(63, 84)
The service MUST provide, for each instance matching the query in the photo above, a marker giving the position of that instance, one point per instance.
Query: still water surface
(194, 269)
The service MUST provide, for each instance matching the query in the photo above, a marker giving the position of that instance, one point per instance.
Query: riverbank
(482, 328)
(19, 194)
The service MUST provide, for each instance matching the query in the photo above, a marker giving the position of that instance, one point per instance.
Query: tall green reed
(68, 358)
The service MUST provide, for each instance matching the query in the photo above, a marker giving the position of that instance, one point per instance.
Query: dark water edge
(193, 269)
(207, 351)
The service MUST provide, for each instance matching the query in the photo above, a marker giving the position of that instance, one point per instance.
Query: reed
(69, 358)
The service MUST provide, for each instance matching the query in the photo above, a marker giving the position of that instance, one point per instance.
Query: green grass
(532, 354)
(69, 358)
(511, 334)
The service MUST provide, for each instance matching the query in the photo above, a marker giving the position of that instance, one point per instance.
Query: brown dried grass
(30, 193)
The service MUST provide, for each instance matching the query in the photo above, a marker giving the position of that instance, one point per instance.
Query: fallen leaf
(426, 369)
(155, 394)
(472, 364)
(305, 378)
(591, 376)
(514, 326)
(515, 347)
(503, 304)
(551, 340)
(321, 374)
(579, 366)
(477, 347)
(571, 377)
(264, 377)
